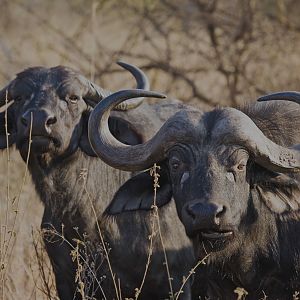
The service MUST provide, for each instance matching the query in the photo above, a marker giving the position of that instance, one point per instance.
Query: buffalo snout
(40, 120)
(201, 216)
(208, 214)
(37, 123)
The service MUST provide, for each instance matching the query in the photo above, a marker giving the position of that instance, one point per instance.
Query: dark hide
(263, 255)
(245, 216)
(69, 179)
(121, 129)
(138, 194)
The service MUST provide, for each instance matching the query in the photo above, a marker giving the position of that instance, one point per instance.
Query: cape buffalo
(233, 175)
(49, 116)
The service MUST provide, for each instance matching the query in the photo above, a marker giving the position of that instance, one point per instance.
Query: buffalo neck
(75, 185)
(263, 256)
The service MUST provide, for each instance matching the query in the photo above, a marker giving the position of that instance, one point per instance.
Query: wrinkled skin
(243, 215)
(231, 208)
(203, 180)
(51, 106)
(49, 101)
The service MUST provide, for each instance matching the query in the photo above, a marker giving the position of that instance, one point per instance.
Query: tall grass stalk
(154, 173)
(4, 245)
(16, 201)
(118, 295)
(75, 254)
(150, 252)
(9, 235)
(45, 273)
(191, 272)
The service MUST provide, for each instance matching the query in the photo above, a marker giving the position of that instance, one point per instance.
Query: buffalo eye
(239, 160)
(241, 167)
(17, 98)
(237, 169)
(174, 164)
(73, 98)
(233, 172)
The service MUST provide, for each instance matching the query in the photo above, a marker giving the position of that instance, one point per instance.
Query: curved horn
(235, 127)
(138, 157)
(96, 93)
(142, 83)
(289, 95)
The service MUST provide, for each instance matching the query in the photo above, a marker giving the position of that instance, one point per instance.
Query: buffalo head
(220, 167)
(52, 105)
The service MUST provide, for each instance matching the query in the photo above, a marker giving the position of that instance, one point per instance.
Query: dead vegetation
(204, 52)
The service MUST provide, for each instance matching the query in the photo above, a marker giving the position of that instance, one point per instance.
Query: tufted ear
(280, 192)
(10, 128)
(121, 129)
(138, 193)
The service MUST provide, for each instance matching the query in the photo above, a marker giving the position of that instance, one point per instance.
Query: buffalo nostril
(220, 211)
(209, 213)
(51, 120)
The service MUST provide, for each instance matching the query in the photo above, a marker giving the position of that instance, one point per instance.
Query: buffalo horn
(235, 127)
(137, 157)
(96, 93)
(290, 96)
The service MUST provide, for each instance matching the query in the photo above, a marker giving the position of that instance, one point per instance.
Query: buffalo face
(45, 101)
(211, 189)
(50, 112)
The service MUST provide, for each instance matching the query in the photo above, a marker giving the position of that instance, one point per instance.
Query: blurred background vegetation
(203, 52)
(200, 51)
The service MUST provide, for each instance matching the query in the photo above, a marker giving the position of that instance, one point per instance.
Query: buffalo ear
(10, 128)
(280, 192)
(138, 194)
(121, 130)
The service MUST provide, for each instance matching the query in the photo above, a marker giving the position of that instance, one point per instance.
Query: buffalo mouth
(215, 235)
(39, 144)
(213, 240)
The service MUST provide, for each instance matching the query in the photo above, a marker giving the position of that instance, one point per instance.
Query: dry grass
(41, 271)
(25, 270)
(184, 57)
